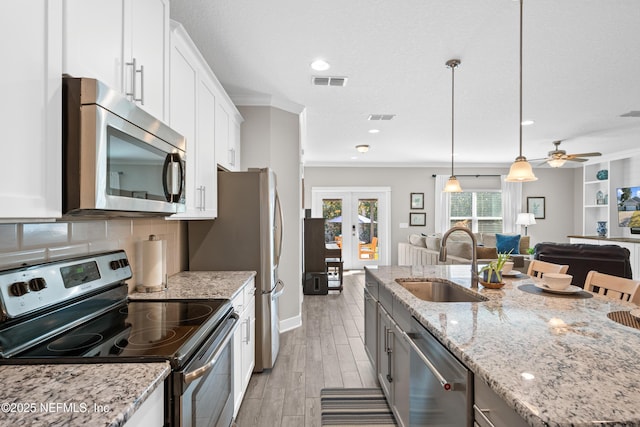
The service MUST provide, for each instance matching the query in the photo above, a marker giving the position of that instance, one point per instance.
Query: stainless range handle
(446, 385)
(201, 371)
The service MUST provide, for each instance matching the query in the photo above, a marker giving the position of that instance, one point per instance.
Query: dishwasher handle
(446, 385)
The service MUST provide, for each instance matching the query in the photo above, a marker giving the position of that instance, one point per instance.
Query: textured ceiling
(581, 72)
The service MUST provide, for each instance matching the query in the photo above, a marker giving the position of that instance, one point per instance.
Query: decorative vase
(600, 198)
(494, 277)
(602, 228)
(602, 174)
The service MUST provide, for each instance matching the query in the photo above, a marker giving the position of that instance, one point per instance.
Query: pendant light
(452, 186)
(521, 170)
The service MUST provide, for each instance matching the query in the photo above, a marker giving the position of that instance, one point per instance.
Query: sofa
(425, 250)
(582, 258)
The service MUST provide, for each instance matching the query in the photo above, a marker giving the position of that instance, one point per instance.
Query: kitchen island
(556, 361)
(79, 395)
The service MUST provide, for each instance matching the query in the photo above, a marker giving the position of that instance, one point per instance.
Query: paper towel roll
(152, 263)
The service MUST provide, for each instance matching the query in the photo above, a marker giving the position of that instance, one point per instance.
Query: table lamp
(525, 219)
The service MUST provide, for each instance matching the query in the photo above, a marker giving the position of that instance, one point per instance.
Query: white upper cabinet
(31, 179)
(228, 121)
(123, 43)
(192, 113)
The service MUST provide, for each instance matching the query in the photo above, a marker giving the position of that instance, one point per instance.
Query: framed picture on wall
(417, 200)
(535, 205)
(418, 219)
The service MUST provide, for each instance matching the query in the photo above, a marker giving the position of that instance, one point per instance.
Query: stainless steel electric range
(76, 311)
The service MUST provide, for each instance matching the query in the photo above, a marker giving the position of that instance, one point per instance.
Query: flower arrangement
(493, 270)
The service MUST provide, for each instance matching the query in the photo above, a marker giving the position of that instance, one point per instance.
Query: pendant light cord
(452, 63)
(520, 122)
(453, 79)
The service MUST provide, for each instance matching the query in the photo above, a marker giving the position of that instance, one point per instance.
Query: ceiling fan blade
(576, 159)
(585, 155)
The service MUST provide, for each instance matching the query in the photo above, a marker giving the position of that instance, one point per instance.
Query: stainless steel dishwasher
(441, 388)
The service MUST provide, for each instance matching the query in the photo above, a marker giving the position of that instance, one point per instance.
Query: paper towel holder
(144, 287)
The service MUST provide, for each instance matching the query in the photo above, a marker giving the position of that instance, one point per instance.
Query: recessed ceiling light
(374, 130)
(320, 65)
(362, 148)
(527, 122)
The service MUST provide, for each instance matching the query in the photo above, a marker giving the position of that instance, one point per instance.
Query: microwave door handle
(171, 162)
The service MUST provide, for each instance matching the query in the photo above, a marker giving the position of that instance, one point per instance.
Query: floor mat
(355, 407)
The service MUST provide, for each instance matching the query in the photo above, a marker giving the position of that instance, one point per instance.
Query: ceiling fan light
(453, 185)
(521, 171)
(556, 163)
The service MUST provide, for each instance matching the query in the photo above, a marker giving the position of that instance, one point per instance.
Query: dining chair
(368, 250)
(614, 287)
(538, 268)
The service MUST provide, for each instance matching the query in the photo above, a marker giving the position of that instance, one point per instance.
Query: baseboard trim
(290, 323)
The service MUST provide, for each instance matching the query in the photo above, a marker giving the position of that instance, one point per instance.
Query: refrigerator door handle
(279, 289)
(278, 228)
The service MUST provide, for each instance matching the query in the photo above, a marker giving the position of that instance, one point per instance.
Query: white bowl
(557, 281)
(507, 267)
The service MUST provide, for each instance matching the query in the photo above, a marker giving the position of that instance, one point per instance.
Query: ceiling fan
(556, 158)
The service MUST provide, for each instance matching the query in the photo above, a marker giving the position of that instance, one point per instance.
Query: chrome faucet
(474, 252)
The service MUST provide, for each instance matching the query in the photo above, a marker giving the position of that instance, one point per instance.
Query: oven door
(202, 390)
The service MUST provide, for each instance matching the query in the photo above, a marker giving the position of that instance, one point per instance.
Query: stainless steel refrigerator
(246, 235)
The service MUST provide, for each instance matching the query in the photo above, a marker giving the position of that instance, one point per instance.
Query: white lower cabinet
(244, 356)
(31, 187)
(151, 412)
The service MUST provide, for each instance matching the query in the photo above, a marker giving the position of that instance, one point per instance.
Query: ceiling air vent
(381, 116)
(329, 81)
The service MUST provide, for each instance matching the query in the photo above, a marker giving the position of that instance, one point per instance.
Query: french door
(357, 221)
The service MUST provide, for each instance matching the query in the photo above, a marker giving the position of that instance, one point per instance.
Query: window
(481, 210)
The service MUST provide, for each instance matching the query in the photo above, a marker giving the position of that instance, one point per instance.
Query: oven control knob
(37, 284)
(18, 289)
(114, 265)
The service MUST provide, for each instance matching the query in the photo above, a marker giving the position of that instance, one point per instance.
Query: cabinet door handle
(248, 330)
(483, 415)
(201, 191)
(134, 70)
(389, 356)
(133, 66)
(141, 71)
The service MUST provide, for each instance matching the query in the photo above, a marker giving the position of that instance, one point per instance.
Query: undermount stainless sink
(437, 291)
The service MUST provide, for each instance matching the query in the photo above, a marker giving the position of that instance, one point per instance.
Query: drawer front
(491, 411)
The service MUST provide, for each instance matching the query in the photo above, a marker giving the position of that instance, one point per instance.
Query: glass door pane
(367, 229)
(332, 212)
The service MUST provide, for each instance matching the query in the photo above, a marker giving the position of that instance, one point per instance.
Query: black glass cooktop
(146, 330)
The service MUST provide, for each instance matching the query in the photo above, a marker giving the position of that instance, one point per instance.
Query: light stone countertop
(79, 395)
(585, 367)
(123, 387)
(200, 285)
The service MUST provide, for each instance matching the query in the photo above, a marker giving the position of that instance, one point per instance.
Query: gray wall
(556, 185)
(271, 138)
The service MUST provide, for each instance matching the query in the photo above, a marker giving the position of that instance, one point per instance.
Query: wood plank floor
(326, 351)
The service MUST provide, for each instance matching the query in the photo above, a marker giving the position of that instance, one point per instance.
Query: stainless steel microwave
(118, 160)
